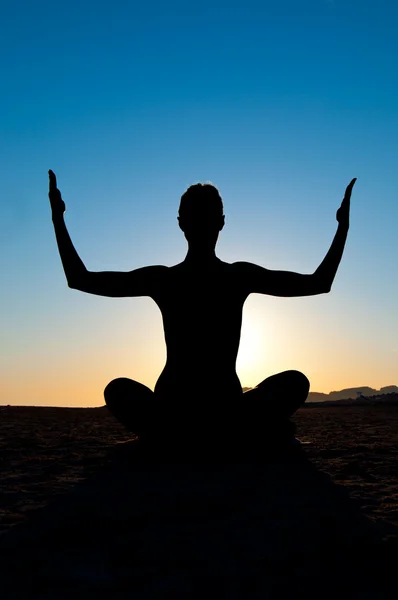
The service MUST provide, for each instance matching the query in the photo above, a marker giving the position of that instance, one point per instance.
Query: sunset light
(130, 116)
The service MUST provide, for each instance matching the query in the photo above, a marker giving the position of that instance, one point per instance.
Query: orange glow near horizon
(272, 340)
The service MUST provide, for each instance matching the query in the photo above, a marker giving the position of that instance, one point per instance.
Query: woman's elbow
(78, 280)
(321, 286)
(76, 283)
(325, 289)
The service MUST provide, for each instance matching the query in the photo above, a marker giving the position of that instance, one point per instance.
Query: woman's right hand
(57, 204)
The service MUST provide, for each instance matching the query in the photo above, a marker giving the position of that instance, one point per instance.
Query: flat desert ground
(46, 451)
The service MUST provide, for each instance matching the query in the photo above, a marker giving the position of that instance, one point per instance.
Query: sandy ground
(46, 451)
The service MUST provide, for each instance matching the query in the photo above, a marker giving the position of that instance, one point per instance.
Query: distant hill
(351, 393)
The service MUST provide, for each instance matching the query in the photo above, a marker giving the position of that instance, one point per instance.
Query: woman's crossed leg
(263, 409)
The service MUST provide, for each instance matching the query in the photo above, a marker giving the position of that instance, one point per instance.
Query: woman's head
(201, 199)
(201, 215)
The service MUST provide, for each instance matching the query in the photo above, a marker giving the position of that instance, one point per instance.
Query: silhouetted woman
(198, 393)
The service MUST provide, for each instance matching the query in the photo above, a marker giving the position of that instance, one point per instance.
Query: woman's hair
(201, 198)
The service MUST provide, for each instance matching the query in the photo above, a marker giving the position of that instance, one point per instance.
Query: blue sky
(277, 103)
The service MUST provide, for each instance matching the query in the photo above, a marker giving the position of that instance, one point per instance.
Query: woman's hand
(57, 204)
(343, 213)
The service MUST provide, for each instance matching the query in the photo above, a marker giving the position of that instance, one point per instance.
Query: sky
(278, 103)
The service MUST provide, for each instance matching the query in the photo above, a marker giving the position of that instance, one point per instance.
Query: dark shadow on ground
(149, 525)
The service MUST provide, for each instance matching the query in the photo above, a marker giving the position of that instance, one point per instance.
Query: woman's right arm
(140, 282)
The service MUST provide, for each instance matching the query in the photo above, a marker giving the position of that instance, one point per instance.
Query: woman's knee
(299, 381)
(115, 389)
(125, 389)
(131, 403)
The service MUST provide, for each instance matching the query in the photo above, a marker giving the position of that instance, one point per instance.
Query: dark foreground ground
(44, 452)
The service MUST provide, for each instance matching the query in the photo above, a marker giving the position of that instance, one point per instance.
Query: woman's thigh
(145, 413)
